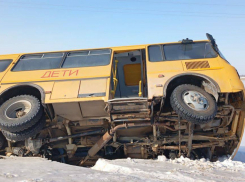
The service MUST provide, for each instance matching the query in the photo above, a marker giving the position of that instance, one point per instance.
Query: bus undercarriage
(137, 128)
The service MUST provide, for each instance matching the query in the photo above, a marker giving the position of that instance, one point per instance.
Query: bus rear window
(87, 58)
(4, 64)
(39, 62)
(184, 51)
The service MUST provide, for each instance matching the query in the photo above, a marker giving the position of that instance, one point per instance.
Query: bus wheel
(193, 104)
(20, 113)
(2, 140)
(23, 135)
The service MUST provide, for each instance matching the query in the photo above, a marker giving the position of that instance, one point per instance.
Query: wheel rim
(18, 109)
(195, 100)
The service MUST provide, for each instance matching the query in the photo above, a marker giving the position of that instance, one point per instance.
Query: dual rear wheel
(21, 117)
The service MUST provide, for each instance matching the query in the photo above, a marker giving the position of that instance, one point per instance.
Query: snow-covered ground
(182, 169)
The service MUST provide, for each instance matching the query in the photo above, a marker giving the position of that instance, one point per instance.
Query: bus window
(87, 58)
(4, 64)
(39, 62)
(155, 53)
(170, 52)
(188, 51)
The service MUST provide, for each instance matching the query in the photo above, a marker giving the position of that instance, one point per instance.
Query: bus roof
(117, 48)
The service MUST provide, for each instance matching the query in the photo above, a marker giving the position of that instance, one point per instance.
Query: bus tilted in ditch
(174, 99)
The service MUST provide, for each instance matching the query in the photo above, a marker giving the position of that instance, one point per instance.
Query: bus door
(129, 74)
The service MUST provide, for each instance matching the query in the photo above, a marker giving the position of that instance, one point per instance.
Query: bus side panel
(72, 76)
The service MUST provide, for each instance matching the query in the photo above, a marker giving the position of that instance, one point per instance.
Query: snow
(162, 169)
(39, 169)
(182, 169)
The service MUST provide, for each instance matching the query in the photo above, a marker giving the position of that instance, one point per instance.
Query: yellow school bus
(178, 98)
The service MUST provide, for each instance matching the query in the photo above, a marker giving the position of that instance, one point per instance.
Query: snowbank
(162, 169)
(37, 169)
(182, 169)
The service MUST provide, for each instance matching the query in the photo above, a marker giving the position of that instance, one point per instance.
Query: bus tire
(20, 113)
(193, 104)
(2, 140)
(23, 135)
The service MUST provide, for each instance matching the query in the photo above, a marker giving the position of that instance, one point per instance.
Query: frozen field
(183, 169)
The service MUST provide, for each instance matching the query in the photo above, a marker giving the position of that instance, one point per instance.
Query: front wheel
(193, 104)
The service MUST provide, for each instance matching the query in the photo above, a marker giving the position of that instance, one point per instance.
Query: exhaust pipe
(108, 136)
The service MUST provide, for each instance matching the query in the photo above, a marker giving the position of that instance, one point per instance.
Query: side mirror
(212, 40)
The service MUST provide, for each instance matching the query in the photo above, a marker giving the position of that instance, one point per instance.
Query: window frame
(163, 54)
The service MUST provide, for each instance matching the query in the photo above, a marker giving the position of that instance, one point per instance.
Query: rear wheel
(20, 113)
(23, 135)
(193, 104)
(2, 140)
